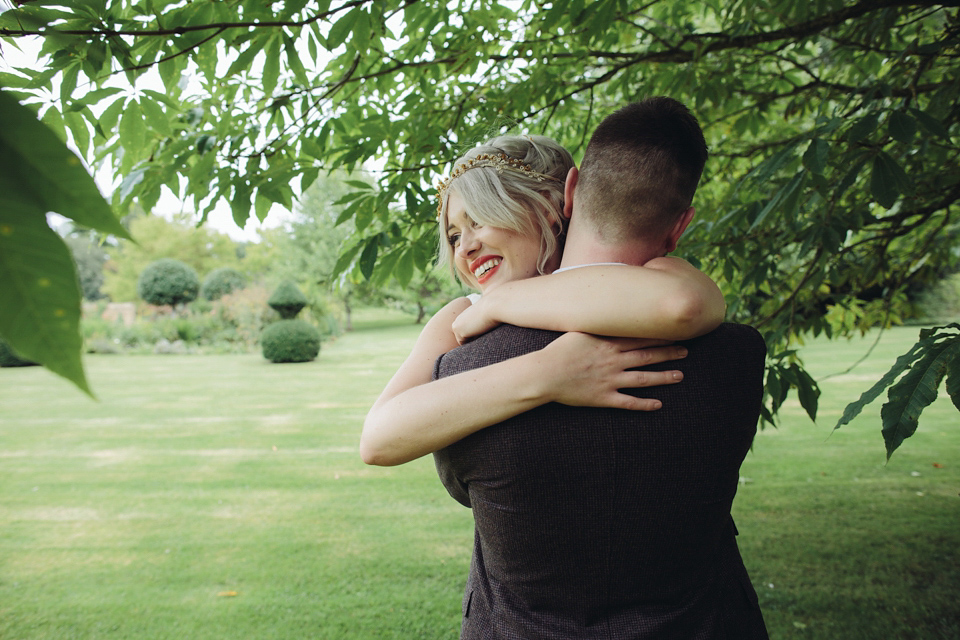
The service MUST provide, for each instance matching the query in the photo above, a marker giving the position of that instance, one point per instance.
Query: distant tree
(220, 282)
(89, 256)
(203, 249)
(168, 282)
(309, 246)
(425, 294)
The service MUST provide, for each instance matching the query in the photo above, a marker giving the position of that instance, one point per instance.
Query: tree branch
(180, 30)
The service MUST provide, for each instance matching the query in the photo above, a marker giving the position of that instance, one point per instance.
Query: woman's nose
(468, 243)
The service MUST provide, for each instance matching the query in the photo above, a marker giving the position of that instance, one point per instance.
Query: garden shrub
(168, 282)
(9, 358)
(232, 324)
(290, 340)
(288, 300)
(220, 282)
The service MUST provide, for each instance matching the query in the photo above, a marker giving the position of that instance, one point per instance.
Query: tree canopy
(831, 190)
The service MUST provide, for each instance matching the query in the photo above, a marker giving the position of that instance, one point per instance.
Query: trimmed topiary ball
(290, 341)
(220, 282)
(9, 358)
(168, 281)
(288, 300)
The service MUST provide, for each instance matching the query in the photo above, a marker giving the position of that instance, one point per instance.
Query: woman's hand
(589, 371)
(472, 322)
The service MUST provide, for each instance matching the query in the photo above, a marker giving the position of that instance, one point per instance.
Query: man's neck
(589, 250)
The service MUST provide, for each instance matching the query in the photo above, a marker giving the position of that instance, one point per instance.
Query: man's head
(640, 171)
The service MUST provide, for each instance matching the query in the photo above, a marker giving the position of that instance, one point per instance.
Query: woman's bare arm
(667, 298)
(415, 416)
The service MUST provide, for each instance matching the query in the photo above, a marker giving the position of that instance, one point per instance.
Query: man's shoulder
(502, 343)
(736, 345)
(733, 331)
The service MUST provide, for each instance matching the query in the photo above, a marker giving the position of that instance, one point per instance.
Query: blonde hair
(528, 200)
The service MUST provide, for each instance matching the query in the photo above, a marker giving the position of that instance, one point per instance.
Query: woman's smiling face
(485, 256)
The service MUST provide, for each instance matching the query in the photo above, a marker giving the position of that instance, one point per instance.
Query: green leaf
(850, 177)
(129, 183)
(368, 258)
(341, 29)
(953, 382)
(308, 177)
(110, 115)
(931, 124)
(902, 127)
(888, 181)
(816, 155)
(345, 259)
(863, 127)
(95, 96)
(293, 60)
(271, 66)
(40, 314)
(53, 119)
(240, 203)
(262, 205)
(133, 132)
(245, 59)
(47, 174)
(910, 396)
(68, 83)
(156, 117)
(405, 268)
(162, 97)
(902, 364)
(385, 268)
(78, 127)
(358, 184)
(807, 391)
(786, 192)
(766, 169)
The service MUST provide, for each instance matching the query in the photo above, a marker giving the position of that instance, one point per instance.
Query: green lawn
(222, 497)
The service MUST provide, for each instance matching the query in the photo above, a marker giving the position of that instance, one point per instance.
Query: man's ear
(568, 188)
(678, 228)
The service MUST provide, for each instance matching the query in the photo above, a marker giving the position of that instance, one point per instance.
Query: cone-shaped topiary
(220, 282)
(290, 341)
(9, 358)
(288, 300)
(168, 281)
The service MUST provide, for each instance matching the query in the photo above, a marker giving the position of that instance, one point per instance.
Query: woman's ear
(568, 189)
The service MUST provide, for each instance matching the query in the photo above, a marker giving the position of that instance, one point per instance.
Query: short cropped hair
(528, 202)
(641, 169)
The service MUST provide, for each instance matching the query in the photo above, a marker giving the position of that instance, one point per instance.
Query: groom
(606, 523)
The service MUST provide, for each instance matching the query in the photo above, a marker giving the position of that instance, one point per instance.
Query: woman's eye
(453, 239)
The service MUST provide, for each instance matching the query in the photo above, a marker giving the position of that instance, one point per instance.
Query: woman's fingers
(638, 379)
(635, 404)
(653, 355)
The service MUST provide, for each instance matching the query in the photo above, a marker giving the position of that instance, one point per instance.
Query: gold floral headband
(499, 161)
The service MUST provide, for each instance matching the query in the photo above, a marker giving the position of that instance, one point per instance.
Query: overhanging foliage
(831, 191)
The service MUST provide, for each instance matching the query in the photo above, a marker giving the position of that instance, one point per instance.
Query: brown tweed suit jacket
(605, 523)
